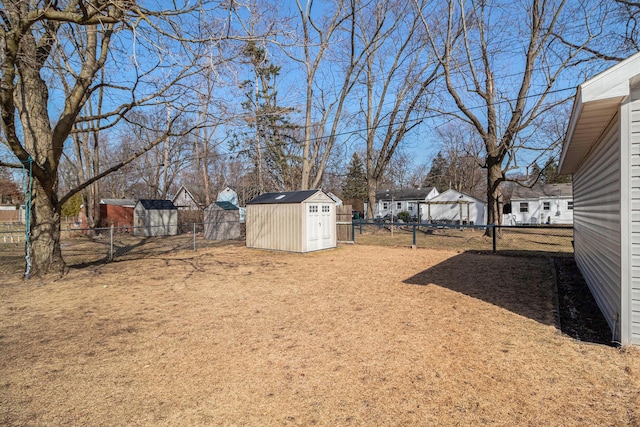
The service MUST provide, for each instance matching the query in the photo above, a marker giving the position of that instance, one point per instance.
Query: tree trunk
(371, 198)
(45, 254)
(494, 195)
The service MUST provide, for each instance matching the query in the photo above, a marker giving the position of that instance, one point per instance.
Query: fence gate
(343, 223)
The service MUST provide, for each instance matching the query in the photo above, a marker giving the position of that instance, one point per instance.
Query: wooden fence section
(343, 223)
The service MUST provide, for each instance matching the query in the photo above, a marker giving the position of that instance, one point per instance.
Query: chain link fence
(544, 240)
(85, 247)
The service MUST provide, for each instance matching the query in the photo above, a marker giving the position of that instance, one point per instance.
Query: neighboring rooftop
(118, 202)
(407, 194)
(546, 190)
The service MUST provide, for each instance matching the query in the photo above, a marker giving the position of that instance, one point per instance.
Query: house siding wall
(596, 194)
(634, 218)
(266, 223)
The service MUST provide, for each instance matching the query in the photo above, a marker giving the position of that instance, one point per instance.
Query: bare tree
(85, 37)
(502, 63)
(398, 72)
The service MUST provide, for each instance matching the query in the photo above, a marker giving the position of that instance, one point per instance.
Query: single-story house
(541, 204)
(295, 221)
(392, 202)
(602, 151)
(454, 206)
(116, 212)
(222, 221)
(155, 218)
(184, 200)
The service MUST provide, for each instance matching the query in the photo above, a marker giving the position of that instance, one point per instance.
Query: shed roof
(227, 206)
(283, 197)
(157, 205)
(406, 194)
(118, 202)
(454, 196)
(546, 190)
(596, 103)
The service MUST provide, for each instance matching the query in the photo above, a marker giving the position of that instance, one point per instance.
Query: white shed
(455, 206)
(602, 151)
(155, 218)
(296, 221)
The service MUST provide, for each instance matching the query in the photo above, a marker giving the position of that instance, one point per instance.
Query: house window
(410, 207)
(325, 208)
(546, 206)
(385, 205)
(313, 209)
(570, 205)
(399, 205)
(524, 207)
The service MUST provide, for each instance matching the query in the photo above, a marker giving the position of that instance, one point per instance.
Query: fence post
(194, 236)
(360, 226)
(111, 243)
(353, 232)
(414, 236)
(493, 235)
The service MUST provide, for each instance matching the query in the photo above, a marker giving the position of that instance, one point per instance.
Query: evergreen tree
(437, 176)
(550, 175)
(355, 184)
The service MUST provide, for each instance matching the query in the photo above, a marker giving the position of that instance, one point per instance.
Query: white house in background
(392, 202)
(184, 200)
(541, 204)
(335, 198)
(228, 195)
(602, 151)
(453, 206)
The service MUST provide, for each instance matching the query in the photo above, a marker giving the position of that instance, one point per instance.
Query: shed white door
(319, 230)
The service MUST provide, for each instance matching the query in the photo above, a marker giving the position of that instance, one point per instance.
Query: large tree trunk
(45, 254)
(371, 198)
(494, 194)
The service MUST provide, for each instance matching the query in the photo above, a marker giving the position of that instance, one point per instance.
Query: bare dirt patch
(360, 335)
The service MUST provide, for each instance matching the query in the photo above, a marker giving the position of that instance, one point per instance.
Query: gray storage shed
(296, 221)
(602, 151)
(222, 221)
(155, 218)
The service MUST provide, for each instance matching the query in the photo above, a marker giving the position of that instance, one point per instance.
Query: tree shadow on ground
(520, 285)
(525, 286)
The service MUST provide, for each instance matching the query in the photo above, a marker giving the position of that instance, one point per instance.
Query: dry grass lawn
(359, 335)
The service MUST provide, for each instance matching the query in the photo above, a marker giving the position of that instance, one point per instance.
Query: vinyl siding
(280, 227)
(596, 193)
(634, 165)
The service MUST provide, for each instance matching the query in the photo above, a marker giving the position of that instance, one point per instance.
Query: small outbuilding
(155, 218)
(295, 221)
(117, 213)
(222, 221)
(602, 151)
